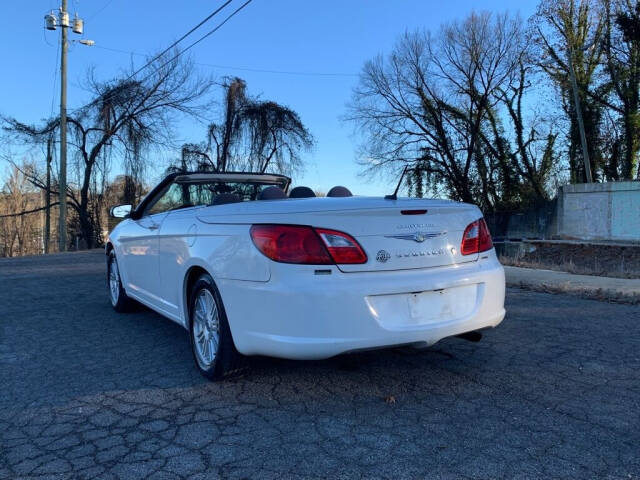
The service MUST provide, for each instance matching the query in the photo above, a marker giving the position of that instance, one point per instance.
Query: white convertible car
(248, 269)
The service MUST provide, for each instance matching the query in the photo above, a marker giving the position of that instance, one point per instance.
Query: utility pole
(52, 21)
(576, 101)
(47, 199)
(62, 218)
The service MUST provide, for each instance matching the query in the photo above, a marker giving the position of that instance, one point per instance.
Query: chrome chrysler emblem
(382, 256)
(418, 236)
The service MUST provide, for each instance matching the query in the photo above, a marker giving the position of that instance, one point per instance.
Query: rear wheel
(214, 353)
(119, 299)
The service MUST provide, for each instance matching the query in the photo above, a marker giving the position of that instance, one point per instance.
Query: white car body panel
(424, 292)
(138, 256)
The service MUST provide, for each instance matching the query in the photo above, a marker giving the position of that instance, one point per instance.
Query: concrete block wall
(599, 211)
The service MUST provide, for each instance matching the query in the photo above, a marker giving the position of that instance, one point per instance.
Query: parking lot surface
(553, 392)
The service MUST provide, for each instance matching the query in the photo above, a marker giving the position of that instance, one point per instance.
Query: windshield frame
(281, 181)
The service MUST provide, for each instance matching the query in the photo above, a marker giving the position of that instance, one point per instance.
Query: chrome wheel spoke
(214, 344)
(205, 351)
(200, 317)
(211, 308)
(200, 337)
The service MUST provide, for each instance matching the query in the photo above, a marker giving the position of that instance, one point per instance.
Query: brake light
(343, 248)
(290, 244)
(306, 245)
(476, 238)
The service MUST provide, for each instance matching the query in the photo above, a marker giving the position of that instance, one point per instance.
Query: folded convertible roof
(268, 178)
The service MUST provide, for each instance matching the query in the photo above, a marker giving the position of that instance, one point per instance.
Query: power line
(246, 69)
(96, 13)
(215, 12)
(55, 78)
(177, 41)
(26, 212)
(209, 33)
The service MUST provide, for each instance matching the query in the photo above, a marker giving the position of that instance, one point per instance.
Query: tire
(119, 300)
(214, 352)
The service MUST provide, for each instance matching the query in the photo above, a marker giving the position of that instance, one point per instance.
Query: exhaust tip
(474, 336)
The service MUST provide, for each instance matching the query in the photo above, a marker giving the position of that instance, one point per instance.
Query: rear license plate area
(423, 308)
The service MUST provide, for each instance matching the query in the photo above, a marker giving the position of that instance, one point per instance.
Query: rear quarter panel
(224, 250)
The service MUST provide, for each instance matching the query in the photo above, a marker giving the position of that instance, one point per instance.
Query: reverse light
(306, 245)
(476, 238)
(343, 248)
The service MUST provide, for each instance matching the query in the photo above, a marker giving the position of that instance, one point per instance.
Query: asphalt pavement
(553, 392)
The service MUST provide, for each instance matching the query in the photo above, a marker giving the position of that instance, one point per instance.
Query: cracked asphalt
(554, 392)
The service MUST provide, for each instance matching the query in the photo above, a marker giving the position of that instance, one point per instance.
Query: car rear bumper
(299, 314)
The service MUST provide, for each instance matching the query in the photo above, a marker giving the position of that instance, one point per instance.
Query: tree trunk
(631, 146)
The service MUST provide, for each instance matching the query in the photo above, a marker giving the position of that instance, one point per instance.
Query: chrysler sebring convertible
(249, 269)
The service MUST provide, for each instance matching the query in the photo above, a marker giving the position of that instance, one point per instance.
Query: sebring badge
(418, 236)
(382, 256)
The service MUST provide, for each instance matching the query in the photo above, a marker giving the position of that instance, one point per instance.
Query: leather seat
(301, 192)
(339, 191)
(272, 193)
(224, 198)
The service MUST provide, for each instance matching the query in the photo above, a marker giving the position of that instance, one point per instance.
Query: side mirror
(120, 211)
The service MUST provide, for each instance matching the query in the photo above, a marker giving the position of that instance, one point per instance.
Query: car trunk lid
(393, 241)
(395, 234)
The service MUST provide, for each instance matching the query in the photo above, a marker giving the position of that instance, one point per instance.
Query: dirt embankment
(584, 259)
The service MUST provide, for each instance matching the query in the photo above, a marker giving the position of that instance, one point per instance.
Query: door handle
(153, 227)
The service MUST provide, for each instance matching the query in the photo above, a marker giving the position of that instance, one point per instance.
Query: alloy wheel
(114, 281)
(206, 328)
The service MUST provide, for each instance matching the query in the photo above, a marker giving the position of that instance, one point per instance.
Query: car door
(139, 252)
(141, 249)
(177, 237)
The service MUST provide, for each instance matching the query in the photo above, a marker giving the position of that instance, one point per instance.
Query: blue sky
(328, 36)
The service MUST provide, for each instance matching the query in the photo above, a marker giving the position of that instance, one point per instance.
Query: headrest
(301, 192)
(272, 193)
(223, 198)
(339, 191)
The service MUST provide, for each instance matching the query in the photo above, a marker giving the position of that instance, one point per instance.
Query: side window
(171, 199)
(202, 193)
(182, 195)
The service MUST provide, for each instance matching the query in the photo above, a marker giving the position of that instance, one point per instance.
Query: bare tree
(17, 231)
(253, 136)
(126, 116)
(436, 104)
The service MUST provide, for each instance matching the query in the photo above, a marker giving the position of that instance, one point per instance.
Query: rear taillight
(290, 244)
(306, 245)
(476, 238)
(343, 248)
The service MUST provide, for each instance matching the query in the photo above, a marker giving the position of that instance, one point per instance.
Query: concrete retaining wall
(599, 211)
(588, 211)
